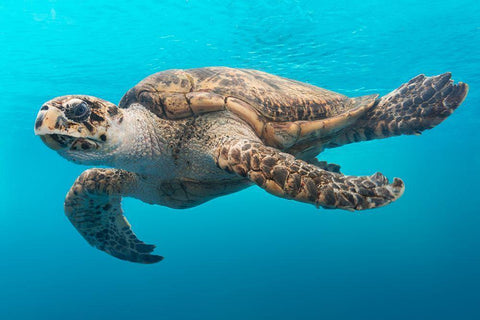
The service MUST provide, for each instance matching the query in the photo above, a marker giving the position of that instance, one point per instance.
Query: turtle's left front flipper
(285, 176)
(93, 207)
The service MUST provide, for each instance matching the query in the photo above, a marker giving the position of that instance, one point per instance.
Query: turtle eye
(78, 111)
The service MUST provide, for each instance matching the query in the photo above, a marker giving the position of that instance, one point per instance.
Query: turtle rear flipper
(418, 105)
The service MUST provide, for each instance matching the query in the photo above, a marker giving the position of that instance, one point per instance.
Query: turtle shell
(281, 111)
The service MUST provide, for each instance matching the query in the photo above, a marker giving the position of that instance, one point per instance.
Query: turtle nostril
(45, 107)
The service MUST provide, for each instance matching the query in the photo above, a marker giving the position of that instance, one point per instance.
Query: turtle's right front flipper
(285, 176)
(93, 206)
(418, 105)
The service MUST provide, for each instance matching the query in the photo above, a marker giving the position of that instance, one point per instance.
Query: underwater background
(248, 255)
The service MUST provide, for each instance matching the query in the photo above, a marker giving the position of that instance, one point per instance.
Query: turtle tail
(418, 105)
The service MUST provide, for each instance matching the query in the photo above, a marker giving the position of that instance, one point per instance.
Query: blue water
(248, 255)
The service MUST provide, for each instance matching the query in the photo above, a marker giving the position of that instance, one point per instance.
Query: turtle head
(77, 127)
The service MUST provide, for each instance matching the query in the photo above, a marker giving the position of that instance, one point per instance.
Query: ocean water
(248, 255)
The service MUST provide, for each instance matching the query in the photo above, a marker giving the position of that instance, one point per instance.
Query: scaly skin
(285, 176)
(93, 206)
(416, 106)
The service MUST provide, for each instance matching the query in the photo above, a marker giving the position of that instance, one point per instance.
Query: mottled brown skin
(183, 137)
(416, 106)
(285, 176)
(93, 207)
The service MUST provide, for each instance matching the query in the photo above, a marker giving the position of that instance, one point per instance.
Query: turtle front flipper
(285, 176)
(93, 206)
(418, 105)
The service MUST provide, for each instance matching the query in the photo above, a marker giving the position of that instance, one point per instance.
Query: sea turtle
(182, 137)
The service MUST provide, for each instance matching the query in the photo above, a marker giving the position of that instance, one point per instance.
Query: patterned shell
(275, 98)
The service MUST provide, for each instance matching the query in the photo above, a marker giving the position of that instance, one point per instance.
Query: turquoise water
(248, 255)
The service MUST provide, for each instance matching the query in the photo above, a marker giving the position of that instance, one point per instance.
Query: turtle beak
(48, 125)
(53, 141)
(49, 120)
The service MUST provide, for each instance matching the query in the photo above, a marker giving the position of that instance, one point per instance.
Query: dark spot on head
(39, 121)
(107, 206)
(45, 107)
(96, 117)
(60, 122)
(89, 126)
(103, 137)
(95, 104)
(112, 111)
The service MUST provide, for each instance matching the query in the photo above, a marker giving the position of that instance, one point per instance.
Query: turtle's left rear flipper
(93, 206)
(418, 105)
(285, 176)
